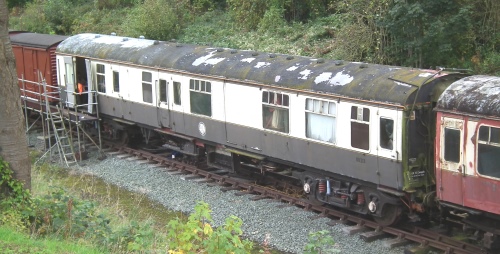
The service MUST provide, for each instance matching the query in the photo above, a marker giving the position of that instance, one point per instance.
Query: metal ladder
(64, 141)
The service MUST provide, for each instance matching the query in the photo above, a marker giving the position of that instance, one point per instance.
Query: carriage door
(69, 78)
(163, 111)
(90, 87)
(451, 160)
(388, 161)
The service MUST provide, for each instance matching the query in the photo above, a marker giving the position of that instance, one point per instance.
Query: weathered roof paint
(479, 95)
(34, 40)
(381, 83)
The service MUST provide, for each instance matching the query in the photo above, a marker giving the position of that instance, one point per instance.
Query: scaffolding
(65, 126)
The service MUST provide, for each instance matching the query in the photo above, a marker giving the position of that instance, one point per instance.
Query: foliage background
(418, 33)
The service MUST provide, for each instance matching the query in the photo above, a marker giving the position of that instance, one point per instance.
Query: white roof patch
(277, 78)
(206, 60)
(116, 40)
(248, 60)
(340, 79)
(425, 75)
(292, 68)
(305, 74)
(323, 77)
(402, 84)
(262, 64)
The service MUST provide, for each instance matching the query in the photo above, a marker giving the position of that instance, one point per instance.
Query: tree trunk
(13, 145)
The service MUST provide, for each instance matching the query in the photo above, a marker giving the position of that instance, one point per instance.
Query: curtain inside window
(321, 127)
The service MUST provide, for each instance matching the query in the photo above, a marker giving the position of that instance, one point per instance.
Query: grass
(122, 207)
(12, 241)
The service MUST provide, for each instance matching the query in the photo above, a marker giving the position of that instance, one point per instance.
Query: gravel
(287, 228)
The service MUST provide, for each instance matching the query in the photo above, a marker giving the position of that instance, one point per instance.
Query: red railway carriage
(468, 145)
(36, 60)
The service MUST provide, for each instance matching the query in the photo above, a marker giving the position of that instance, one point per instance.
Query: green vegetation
(69, 213)
(197, 235)
(72, 213)
(418, 33)
(320, 242)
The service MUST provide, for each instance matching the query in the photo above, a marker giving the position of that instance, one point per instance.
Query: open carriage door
(69, 68)
(451, 160)
(90, 87)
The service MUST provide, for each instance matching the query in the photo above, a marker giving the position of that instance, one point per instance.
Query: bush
(197, 234)
(101, 21)
(32, 19)
(247, 13)
(320, 242)
(154, 19)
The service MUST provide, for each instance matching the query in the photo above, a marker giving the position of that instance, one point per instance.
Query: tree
(13, 148)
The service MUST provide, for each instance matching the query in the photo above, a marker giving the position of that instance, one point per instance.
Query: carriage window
(321, 120)
(177, 93)
(116, 81)
(147, 87)
(488, 152)
(386, 133)
(275, 111)
(163, 90)
(360, 127)
(452, 145)
(101, 80)
(200, 97)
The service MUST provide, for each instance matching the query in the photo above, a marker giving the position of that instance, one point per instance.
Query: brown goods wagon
(36, 60)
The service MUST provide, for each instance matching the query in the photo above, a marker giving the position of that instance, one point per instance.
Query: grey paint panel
(244, 138)
(109, 105)
(321, 156)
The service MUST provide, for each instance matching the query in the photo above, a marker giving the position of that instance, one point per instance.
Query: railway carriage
(355, 135)
(468, 145)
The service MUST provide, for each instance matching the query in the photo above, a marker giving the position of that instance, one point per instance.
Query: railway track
(367, 229)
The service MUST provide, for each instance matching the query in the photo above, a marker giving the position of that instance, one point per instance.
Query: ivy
(12, 193)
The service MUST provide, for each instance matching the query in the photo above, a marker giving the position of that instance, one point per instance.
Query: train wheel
(391, 214)
(310, 188)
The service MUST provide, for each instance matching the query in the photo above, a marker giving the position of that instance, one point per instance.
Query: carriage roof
(388, 84)
(478, 95)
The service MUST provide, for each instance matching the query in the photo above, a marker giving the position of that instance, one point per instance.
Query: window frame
(203, 90)
(390, 146)
(147, 84)
(322, 114)
(282, 105)
(357, 125)
(116, 81)
(101, 76)
(177, 93)
(489, 145)
(163, 90)
(446, 145)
